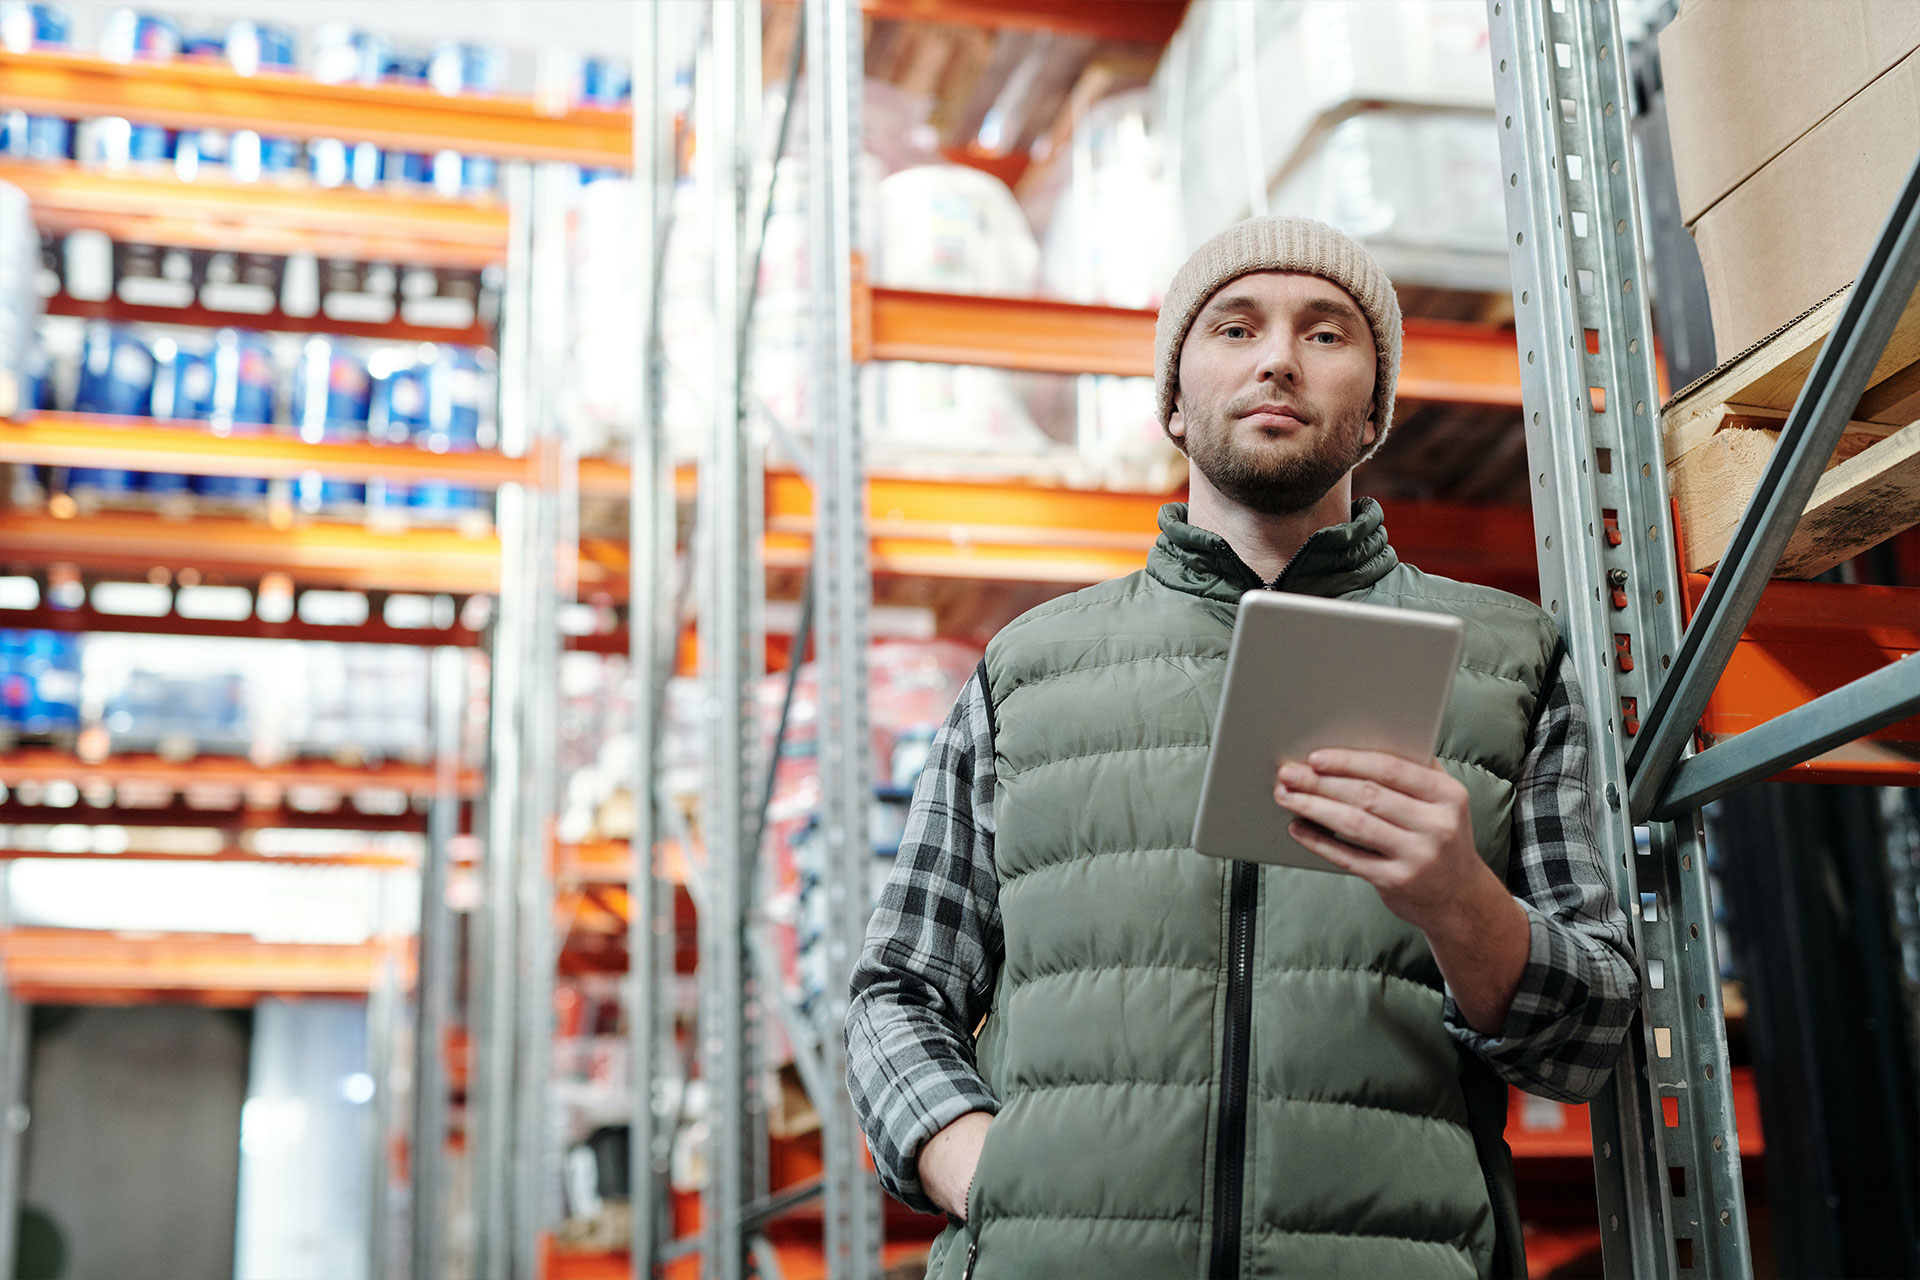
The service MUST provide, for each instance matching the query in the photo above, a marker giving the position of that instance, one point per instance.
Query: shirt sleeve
(925, 975)
(1579, 991)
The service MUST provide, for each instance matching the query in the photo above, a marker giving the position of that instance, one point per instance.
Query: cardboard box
(1745, 80)
(1801, 227)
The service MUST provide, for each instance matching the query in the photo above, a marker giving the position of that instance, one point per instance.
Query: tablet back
(1304, 673)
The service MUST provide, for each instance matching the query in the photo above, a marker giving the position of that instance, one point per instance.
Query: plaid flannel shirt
(926, 974)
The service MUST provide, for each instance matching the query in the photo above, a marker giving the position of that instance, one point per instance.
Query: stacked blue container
(242, 405)
(39, 683)
(116, 377)
(23, 28)
(115, 142)
(331, 396)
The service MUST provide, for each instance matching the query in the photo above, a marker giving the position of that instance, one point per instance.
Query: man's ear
(1372, 431)
(1176, 425)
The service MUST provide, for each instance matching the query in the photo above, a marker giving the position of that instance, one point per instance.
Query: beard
(1276, 481)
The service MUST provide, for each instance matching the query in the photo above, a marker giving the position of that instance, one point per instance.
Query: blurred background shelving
(315, 516)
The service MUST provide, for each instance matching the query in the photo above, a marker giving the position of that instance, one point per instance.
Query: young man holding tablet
(1106, 1055)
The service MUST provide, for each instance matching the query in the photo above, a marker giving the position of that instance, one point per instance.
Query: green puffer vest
(1371, 1142)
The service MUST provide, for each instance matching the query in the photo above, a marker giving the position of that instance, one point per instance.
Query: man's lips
(1273, 416)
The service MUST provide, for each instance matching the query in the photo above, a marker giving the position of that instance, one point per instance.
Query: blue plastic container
(343, 55)
(333, 163)
(454, 387)
(116, 376)
(331, 396)
(398, 413)
(252, 46)
(40, 681)
(604, 83)
(242, 405)
(130, 36)
(182, 390)
(24, 28)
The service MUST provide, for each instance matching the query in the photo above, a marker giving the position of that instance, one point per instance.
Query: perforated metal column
(844, 586)
(1666, 1153)
(730, 584)
(652, 636)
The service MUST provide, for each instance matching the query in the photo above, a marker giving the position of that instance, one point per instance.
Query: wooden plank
(1859, 503)
(1767, 377)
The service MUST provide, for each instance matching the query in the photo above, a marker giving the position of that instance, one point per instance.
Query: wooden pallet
(1721, 431)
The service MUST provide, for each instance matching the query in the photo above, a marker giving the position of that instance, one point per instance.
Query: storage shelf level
(270, 217)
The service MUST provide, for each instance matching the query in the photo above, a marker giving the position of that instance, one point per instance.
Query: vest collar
(1336, 561)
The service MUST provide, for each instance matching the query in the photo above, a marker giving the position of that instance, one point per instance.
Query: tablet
(1304, 673)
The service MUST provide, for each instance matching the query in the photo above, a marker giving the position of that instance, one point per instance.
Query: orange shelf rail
(192, 95)
(44, 764)
(375, 861)
(319, 553)
(1810, 638)
(978, 530)
(1442, 361)
(77, 966)
(58, 439)
(279, 217)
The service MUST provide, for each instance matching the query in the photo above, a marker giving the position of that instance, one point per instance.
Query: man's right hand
(948, 1160)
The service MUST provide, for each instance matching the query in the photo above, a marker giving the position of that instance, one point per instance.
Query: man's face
(1276, 390)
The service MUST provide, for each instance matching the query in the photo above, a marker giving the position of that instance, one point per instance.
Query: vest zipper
(973, 1251)
(1230, 1149)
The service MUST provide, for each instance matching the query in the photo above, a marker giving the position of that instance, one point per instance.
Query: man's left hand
(1407, 830)
(1402, 827)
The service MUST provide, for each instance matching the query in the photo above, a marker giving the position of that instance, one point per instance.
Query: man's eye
(1328, 334)
(1236, 331)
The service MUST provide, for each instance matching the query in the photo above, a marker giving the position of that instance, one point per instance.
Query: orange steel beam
(1132, 21)
(264, 217)
(321, 553)
(60, 304)
(86, 966)
(189, 95)
(1809, 638)
(153, 444)
(376, 861)
(1441, 361)
(48, 765)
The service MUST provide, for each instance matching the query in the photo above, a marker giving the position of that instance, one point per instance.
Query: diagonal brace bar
(1851, 711)
(1881, 292)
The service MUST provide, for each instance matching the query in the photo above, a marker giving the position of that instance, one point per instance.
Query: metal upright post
(730, 584)
(433, 984)
(841, 579)
(493, 1104)
(1666, 1150)
(651, 634)
(550, 561)
(383, 1015)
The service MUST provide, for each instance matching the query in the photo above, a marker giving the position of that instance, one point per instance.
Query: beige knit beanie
(1280, 244)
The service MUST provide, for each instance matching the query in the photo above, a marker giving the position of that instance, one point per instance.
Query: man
(1196, 1067)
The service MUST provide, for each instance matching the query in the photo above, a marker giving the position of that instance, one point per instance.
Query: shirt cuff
(1547, 1013)
(934, 1109)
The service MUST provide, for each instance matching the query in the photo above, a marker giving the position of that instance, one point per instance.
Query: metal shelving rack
(520, 564)
(1668, 1149)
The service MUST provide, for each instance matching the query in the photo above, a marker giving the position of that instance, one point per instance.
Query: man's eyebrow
(1236, 304)
(1333, 308)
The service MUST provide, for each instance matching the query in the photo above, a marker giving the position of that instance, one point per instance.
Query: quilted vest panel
(1373, 1142)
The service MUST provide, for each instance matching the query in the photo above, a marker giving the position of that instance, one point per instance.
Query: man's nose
(1277, 362)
